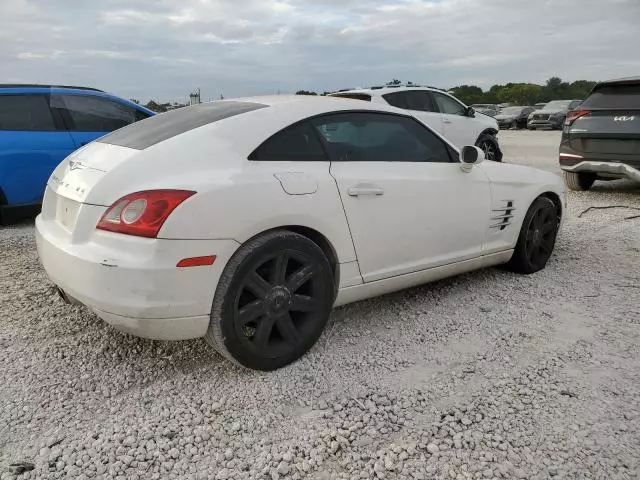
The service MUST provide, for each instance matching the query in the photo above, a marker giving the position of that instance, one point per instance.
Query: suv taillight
(573, 115)
(142, 213)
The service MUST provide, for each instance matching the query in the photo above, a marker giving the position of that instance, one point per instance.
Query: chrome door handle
(362, 190)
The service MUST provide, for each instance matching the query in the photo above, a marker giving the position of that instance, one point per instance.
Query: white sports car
(245, 221)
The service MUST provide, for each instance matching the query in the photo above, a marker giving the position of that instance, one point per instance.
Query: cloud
(165, 48)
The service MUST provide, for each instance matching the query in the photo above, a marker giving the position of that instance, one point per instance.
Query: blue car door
(90, 116)
(33, 141)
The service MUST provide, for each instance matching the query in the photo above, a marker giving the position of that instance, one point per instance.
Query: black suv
(601, 140)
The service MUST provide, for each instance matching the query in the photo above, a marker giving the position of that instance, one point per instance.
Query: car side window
(297, 143)
(94, 114)
(26, 113)
(448, 105)
(418, 100)
(140, 115)
(378, 137)
(396, 99)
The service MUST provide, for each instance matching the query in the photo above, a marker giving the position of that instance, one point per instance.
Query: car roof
(36, 85)
(618, 81)
(31, 88)
(249, 120)
(318, 104)
(385, 89)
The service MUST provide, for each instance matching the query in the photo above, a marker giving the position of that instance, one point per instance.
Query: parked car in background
(601, 139)
(444, 113)
(552, 115)
(310, 202)
(513, 117)
(42, 124)
(539, 106)
(486, 109)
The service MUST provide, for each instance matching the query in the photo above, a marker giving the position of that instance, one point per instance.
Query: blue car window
(25, 113)
(94, 114)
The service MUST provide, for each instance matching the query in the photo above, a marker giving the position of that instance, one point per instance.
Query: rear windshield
(614, 96)
(162, 127)
(355, 96)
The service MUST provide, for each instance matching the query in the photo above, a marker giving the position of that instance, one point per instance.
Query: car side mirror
(471, 112)
(470, 156)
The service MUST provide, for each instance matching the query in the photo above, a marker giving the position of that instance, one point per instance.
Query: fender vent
(501, 217)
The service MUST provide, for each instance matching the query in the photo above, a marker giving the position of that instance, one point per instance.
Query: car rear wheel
(537, 237)
(489, 145)
(272, 302)
(579, 181)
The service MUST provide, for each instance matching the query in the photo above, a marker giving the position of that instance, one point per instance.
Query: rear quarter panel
(241, 203)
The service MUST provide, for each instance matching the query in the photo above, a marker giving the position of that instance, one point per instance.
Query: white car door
(419, 104)
(458, 127)
(408, 203)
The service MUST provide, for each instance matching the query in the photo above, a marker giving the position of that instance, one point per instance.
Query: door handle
(365, 190)
(446, 121)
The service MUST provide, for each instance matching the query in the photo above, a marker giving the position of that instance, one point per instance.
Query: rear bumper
(133, 283)
(610, 169)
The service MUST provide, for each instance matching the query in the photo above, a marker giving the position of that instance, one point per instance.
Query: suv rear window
(25, 113)
(614, 96)
(162, 127)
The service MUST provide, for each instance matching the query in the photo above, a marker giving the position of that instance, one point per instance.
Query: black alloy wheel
(537, 237)
(489, 145)
(275, 303)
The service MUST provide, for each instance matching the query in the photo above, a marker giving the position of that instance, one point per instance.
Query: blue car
(40, 125)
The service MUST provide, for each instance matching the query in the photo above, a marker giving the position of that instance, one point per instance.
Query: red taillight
(142, 213)
(573, 115)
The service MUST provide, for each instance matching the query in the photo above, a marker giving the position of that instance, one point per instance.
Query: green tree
(156, 107)
(469, 94)
(580, 88)
(520, 93)
(305, 92)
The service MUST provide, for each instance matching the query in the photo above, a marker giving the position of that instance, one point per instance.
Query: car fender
(520, 185)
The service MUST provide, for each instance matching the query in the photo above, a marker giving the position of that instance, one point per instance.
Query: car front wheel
(489, 145)
(537, 237)
(272, 301)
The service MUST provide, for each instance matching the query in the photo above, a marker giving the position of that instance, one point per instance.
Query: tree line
(513, 93)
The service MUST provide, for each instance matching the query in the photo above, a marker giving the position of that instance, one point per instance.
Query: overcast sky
(162, 49)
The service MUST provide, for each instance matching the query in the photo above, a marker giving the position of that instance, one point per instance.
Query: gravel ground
(487, 375)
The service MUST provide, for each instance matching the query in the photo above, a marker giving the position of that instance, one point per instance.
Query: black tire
(537, 237)
(579, 181)
(489, 145)
(283, 286)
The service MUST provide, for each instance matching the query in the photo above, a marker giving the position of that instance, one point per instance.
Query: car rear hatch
(608, 121)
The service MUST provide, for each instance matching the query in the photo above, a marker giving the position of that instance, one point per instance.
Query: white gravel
(487, 375)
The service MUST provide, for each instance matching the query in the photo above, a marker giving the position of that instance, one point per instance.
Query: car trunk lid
(82, 170)
(70, 185)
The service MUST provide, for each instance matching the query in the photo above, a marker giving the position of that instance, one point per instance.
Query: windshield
(511, 110)
(557, 105)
